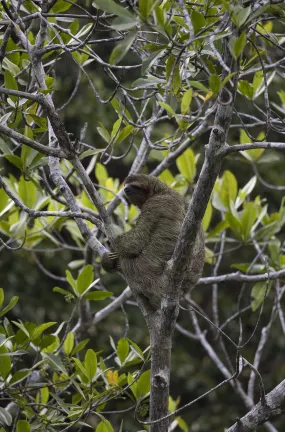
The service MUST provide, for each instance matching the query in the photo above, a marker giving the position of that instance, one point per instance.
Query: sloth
(142, 253)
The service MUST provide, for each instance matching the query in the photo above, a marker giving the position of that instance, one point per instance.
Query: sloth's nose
(127, 189)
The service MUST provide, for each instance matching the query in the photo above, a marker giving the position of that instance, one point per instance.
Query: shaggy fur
(143, 251)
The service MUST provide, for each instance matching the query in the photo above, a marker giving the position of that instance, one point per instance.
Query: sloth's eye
(132, 188)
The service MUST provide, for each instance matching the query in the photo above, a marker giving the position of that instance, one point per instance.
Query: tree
(178, 74)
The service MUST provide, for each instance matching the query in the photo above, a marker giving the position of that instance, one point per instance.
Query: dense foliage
(92, 91)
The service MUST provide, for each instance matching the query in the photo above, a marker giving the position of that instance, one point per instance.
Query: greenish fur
(144, 250)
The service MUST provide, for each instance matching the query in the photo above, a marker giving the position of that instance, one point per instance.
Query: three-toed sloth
(142, 253)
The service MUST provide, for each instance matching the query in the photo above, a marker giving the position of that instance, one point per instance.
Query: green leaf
(5, 362)
(44, 395)
(198, 20)
(23, 426)
(90, 363)
(136, 349)
(113, 8)
(60, 6)
(215, 84)
(85, 279)
(3, 200)
(80, 366)
(123, 349)
(97, 295)
(187, 165)
(149, 61)
(5, 417)
(124, 133)
(62, 291)
(2, 296)
(133, 385)
(199, 86)
(145, 83)
(80, 346)
(122, 48)
(228, 190)
(186, 101)
(236, 45)
(10, 83)
(10, 305)
(242, 16)
(207, 217)
(56, 362)
(182, 424)
(266, 232)
(258, 292)
(104, 426)
(101, 173)
(145, 7)
(246, 89)
(19, 376)
(71, 281)
(257, 80)
(68, 343)
(167, 108)
(12, 67)
(234, 223)
(104, 134)
(40, 329)
(144, 384)
(247, 220)
(15, 160)
(245, 191)
(124, 23)
(27, 192)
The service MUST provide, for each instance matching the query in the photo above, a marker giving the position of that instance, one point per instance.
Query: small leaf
(215, 84)
(68, 343)
(1, 296)
(167, 108)
(187, 165)
(56, 362)
(246, 89)
(97, 295)
(85, 279)
(122, 48)
(207, 217)
(10, 83)
(186, 101)
(258, 292)
(242, 16)
(145, 7)
(10, 305)
(144, 384)
(40, 329)
(104, 426)
(71, 281)
(112, 7)
(90, 363)
(19, 376)
(123, 349)
(5, 417)
(198, 20)
(5, 362)
(23, 426)
(236, 45)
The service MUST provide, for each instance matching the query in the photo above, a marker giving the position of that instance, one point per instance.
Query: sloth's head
(140, 187)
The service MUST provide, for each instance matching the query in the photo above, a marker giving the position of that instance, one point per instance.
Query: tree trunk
(161, 325)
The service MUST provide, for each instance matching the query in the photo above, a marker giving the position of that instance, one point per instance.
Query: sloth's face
(136, 193)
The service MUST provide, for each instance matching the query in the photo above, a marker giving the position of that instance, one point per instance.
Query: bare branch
(262, 412)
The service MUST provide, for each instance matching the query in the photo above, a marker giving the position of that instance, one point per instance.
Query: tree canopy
(190, 92)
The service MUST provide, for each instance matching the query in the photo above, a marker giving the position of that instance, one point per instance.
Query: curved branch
(31, 143)
(262, 412)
